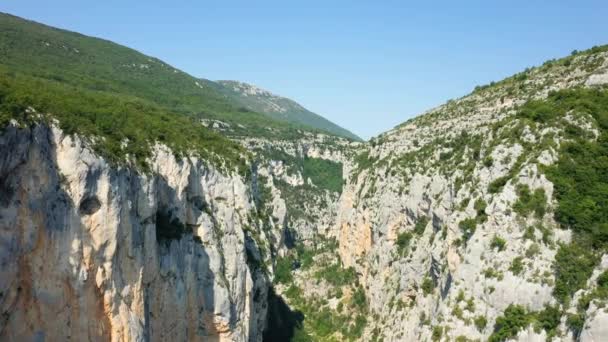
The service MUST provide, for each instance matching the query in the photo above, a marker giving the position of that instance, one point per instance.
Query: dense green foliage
(467, 227)
(427, 286)
(403, 242)
(516, 317)
(480, 206)
(336, 275)
(548, 319)
(359, 299)
(580, 178)
(362, 161)
(576, 321)
(128, 126)
(437, 333)
(507, 326)
(573, 266)
(325, 174)
(481, 322)
(282, 270)
(581, 174)
(517, 265)
(498, 243)
(421, 224)
(497, 184)
(530, 202)
(97, 88)
(322, 323)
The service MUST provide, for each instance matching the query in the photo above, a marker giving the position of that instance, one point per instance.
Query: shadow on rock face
(282, 322)
(89, 205)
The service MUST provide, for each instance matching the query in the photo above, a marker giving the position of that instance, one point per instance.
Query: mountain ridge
(279, 107)
(101, 65)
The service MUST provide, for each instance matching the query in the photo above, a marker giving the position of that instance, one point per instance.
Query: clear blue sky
(366, 65)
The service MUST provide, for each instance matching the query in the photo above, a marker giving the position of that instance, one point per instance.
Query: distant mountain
(97, 65)
(278, 107)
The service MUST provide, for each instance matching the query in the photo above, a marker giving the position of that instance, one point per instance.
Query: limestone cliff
(95, 252)
(402, 223)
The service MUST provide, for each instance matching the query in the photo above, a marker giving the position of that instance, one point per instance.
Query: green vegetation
(576, 322)
(516, 317)
(548, 319)
(359, 299)
(507, 326)
(127, 100)
(296, 198)
(427, 286)
(498, 184)
(481, 322)
(127, 126)
(468, 226)
(283, 269)
(600, 292)
(437, 333)
(363, 162)
(517, 265)
(529, 234)
(488, 161)
(325, 174)
(336, 275)
(580, 178)
(602, 283)
(291, 111)
(421, 225)
(492, 273)
(533, 250)
(403, 242)
(573, 266)
(480, 207)
(498, 243)
(459, 152)
(305, 256)
(457, 312)
(470, 307)
(528, 202)
(322, 323)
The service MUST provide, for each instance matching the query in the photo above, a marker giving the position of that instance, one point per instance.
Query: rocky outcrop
(400, 220)
(91, 251)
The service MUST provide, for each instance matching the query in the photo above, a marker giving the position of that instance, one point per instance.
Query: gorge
(139, 203)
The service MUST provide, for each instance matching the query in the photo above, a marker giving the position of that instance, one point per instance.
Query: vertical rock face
(94, 252)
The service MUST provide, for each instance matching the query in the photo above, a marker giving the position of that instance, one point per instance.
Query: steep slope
(96, 65)
(157, 227)
(280, 108)
(483, 219)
